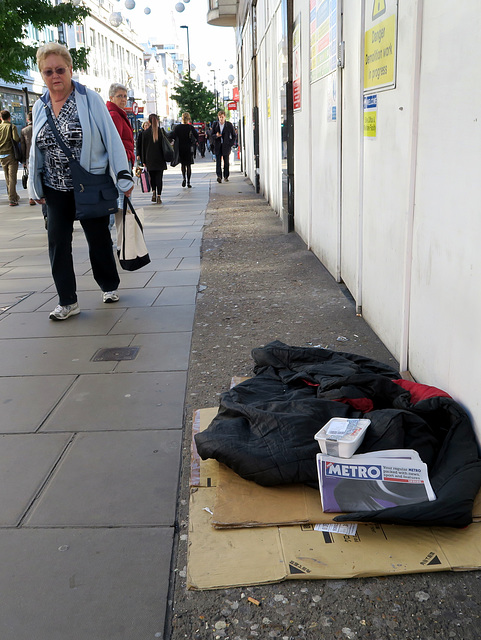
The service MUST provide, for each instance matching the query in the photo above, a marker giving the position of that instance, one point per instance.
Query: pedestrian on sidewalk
(187, 138)
(25, 144)
(138, 144)
(116, 105)
(152, 156)
(83, 121)
(223, 136)
(202, 141)
(7, 157)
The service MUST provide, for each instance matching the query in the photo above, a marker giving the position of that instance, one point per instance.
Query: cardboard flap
(231, 557)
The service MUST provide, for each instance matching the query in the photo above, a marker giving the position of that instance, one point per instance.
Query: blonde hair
(186, 117)
(154, 122)
(53, 48)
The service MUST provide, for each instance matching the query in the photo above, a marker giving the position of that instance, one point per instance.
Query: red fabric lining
(360, 404)
(421, 391)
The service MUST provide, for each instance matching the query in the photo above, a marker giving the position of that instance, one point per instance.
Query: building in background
(162, 63)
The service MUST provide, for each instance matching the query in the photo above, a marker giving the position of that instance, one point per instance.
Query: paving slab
(84, 584)
(26, 461)
(190, 263)
(155, 319)
(174, 278)
(176, 295)
(32, 302)
(26, 401)
(57, 356)
(159, 352)
(24, 285)
(121, 401)
(112, 479)
(38, 325)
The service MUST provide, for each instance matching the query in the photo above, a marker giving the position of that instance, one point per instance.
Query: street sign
(135, 108)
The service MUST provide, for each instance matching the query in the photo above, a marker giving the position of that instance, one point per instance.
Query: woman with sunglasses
(85, 125)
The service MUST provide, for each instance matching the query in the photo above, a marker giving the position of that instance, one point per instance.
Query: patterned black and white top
(56, 171)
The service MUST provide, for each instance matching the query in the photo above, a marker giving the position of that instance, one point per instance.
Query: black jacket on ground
(265, 427)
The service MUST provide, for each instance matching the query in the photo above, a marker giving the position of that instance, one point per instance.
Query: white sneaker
(62, 313)
(110, 296)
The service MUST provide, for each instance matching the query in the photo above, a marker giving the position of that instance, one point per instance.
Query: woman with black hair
(152, 156)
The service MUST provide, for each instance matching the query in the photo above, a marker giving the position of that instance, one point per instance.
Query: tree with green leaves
(14, 18)
(194, 97)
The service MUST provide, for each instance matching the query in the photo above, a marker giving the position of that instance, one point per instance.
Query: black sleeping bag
(265, 427)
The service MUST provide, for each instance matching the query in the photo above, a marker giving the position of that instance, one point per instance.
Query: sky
(207, 43)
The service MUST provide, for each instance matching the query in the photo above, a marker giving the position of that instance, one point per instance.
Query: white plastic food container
(341, 437)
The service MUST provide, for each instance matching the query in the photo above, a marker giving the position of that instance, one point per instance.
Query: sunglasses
(49, 72)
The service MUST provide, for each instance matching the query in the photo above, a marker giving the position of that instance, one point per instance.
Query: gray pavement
(91, 449)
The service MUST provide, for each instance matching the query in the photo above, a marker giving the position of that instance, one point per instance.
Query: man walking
(223, 136)
(7, 158)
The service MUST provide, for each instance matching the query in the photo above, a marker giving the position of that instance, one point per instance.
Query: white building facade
(380, 162)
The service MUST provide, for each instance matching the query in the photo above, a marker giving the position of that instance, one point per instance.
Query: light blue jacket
(101, 143)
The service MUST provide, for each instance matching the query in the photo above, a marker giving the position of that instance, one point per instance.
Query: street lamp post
(215, 91)
(184, 26)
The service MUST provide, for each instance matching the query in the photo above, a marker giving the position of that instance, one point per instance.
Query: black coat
(266, 425)
(151, 153)
(224, 144)
(186, 137)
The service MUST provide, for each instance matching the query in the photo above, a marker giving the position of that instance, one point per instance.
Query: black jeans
(60, 219)
(156, 179)
(218, 167)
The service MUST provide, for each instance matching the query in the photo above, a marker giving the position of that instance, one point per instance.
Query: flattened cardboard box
(250, 556)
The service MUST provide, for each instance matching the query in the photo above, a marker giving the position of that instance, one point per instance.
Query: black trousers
(60, 219)
(156, 180)
(218, 168)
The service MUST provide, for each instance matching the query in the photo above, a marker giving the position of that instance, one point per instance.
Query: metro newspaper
(373, 481)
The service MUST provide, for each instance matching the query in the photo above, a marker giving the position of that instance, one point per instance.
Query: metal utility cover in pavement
(116, 353)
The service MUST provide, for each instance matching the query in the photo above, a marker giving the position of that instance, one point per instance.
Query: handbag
(16, 148)
(166, 147)
(25, 177)
(95, 194)
(175, 159)
(145, 181)
(131, 248)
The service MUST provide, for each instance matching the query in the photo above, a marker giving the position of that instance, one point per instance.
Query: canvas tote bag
(131, 248)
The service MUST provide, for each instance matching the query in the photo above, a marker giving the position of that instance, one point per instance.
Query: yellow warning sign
(378, 8)
(380, 54)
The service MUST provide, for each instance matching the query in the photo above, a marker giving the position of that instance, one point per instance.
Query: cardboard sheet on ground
(242, 503)
(238, 557)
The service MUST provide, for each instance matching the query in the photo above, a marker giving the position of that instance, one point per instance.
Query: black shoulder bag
(167, 149)
(16, 149)
(95, 195)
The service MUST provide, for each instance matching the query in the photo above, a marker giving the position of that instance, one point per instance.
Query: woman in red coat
(116, 106)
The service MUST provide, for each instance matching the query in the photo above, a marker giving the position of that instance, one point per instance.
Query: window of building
(79, 33)
(61, 33)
